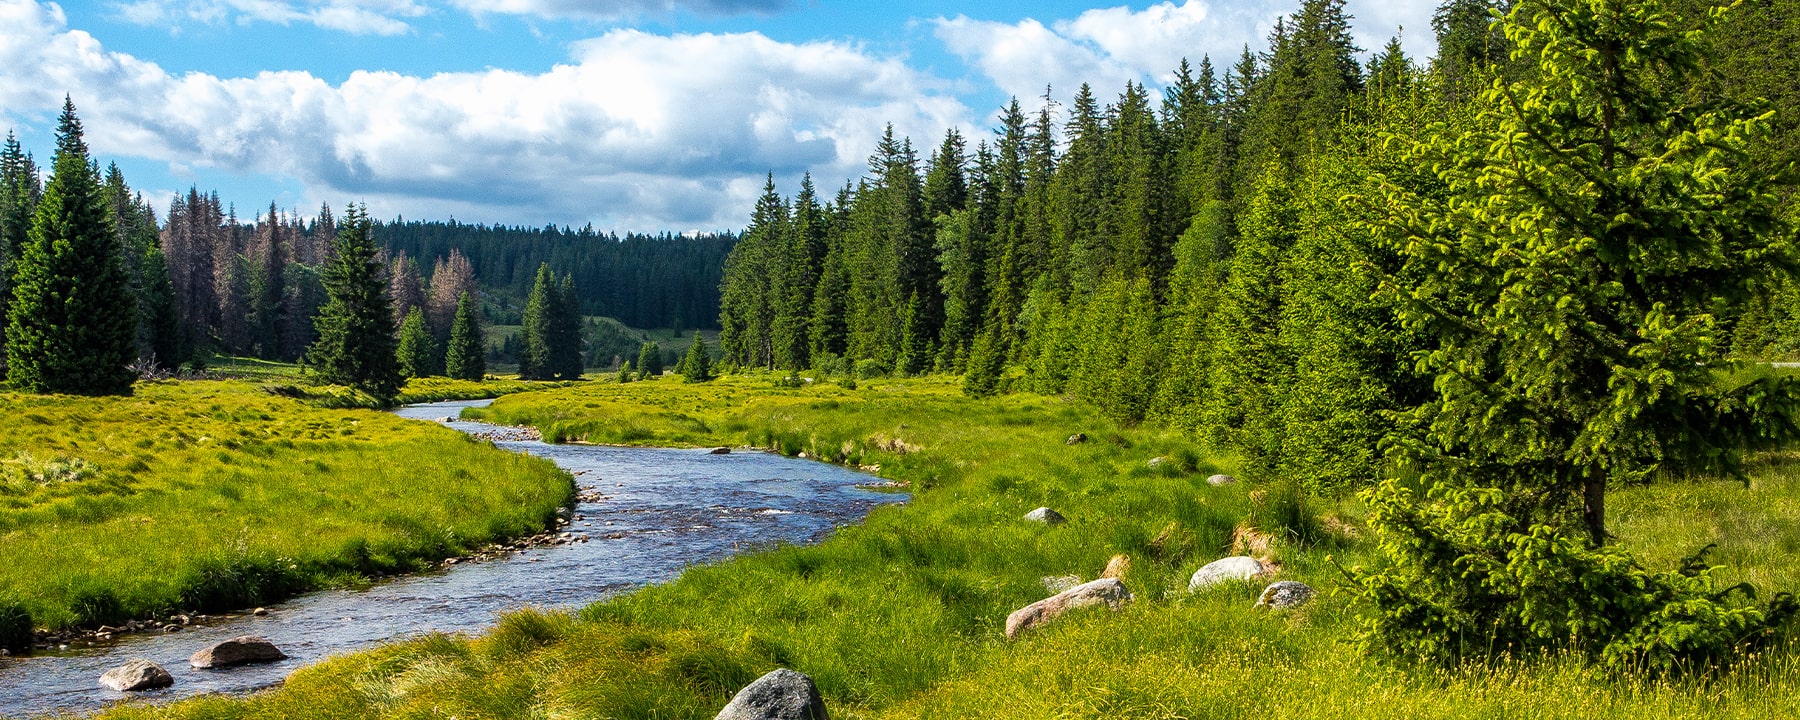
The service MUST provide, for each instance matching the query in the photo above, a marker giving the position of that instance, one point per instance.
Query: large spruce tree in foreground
(1571, 265)
(356, 345)
(71, 324)
(465, 358)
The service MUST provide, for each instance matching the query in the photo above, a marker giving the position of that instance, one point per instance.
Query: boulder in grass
(240, 650)
(1285, 595)
(1221, 480)
(1240, 567)
(780, 695)
(1116, 567)
(1046, 516)
(1076, 439)
(136, 675)
(1059, 583)
(1108, 591)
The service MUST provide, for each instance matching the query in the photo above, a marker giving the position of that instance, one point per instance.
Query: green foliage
(538, 345)
(649, 361)
(15, 625)
(356, 342)
(465, 357)
(418, 352)
(696, 365)
(71, 325)
(1586, 235)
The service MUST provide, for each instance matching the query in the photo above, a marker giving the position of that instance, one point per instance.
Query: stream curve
(660, 511)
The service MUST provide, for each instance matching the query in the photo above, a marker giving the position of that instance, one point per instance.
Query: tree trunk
(1593, 506)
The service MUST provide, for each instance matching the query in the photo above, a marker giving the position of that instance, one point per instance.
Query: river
(661, 510)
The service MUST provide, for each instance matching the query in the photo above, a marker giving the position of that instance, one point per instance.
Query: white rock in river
(137, 675)
(1240, 567)
(780, 695)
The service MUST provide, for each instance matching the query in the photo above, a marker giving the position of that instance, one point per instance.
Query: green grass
(901, 617)
(216, 494)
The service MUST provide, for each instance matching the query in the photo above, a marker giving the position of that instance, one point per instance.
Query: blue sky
(643, 115)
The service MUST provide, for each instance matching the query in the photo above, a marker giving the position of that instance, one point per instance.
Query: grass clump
(901, 616)
(215, 495)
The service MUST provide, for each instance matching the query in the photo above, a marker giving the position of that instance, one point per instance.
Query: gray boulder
(1076, 439)
(139, 674)
(780, 695)
(1157, 461)
(1221, 480)
(1108, 591)
(1240, 567)
(1059, 583)
(1046, 516)
(240, 650)
(1285, 595)
(721, 451)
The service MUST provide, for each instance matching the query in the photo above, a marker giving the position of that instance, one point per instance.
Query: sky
(630, 115)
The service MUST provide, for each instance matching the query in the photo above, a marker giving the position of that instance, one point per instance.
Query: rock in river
(1105, 590)
(1285, 595)
(1046, 516)
(721, 451)
(1232, 568)
(239, 650)
(137, 675)
(780, 695)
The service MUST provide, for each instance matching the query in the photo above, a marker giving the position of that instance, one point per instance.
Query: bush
(871, 369)
(15, 625)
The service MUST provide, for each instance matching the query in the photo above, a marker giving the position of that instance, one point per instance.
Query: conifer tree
(72, 326)
(1249, 365)
(537, 349)
(19, 193)
(566, 356)
(1569, 267)
(696, 365)
(465, 357)
(355, 345)
(417, 352)
(649, 361)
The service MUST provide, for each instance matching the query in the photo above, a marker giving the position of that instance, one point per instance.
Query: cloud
(1107, 47)
(361, 17)
(637, 131)
(613, 9)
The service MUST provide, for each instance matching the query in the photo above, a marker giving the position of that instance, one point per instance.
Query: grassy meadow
(215, 495)
(901, 617)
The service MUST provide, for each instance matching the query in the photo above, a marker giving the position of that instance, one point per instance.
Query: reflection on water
(657, 511)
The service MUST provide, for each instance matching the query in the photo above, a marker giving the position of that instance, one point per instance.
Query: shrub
(15, 625)
(871, 369)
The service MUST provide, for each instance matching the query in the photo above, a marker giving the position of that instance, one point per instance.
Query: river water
(662, 510)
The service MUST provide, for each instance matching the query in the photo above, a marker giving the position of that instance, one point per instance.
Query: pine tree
(696, 366)
(536, 356)
(19, 193)
(465, 358)
(72, 325)
(355, 345)
(1569, 266)
(649, 361)
(566, 356)
(418, 351)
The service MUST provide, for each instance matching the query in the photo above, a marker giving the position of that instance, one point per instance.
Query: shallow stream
(660, 510)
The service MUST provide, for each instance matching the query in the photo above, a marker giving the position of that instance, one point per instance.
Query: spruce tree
(535, 352)
(356, 342)
(19, 193)
(696, 366)
(649, 361)
(465, 357)
(566, 357)
(72, 324)
(417, 352)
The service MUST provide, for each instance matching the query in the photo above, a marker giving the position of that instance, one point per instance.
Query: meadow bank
(219, 495)
(902, 617)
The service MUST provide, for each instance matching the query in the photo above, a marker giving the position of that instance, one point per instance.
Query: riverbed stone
(1241, 567)
(240, 650)
(782, 694)
(1046, 516)
(135, 675)
(1105, 591)
(1285, 595)
(721, 451)
(1221, 480)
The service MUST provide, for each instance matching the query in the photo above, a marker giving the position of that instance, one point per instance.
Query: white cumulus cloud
(637, 131)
